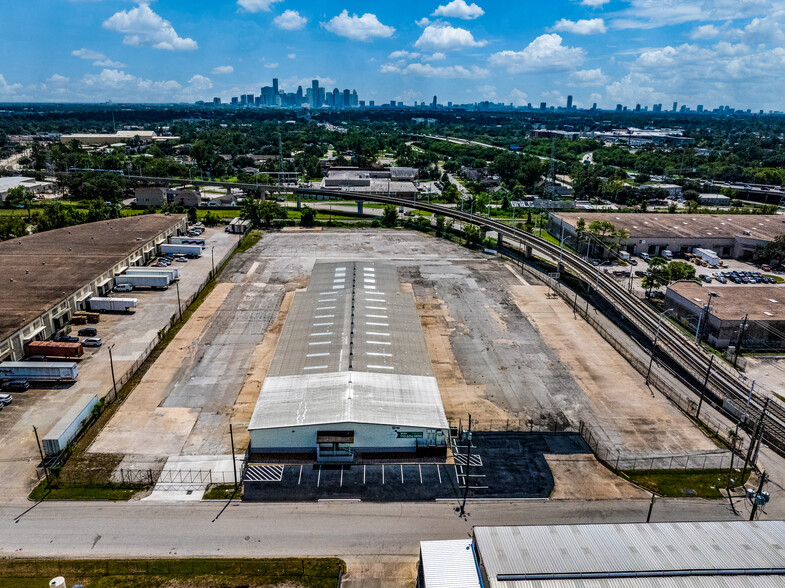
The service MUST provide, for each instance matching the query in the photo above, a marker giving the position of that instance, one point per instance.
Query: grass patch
(222, 492)
(778, 279)
(160, 573)
(682, 483)
(250, 240)
(107, 491)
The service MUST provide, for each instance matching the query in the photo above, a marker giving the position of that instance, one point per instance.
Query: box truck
(54, 349)
(172, 272)
(147, 280)
(68, 427)
(49, 371)
(112, 304)
(193, 250)
(188, 241)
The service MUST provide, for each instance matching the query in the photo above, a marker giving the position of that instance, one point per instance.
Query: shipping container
(69, 425)
(707, 255)
(173, 272)
(49, 371)
(188, 241)
(194, 250)
(112, 304)
(54, 349)
(147, 280)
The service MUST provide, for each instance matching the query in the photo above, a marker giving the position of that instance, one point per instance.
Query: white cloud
(88, 54)
(222, 69)
(292, 56)
(592, 26)
(423, 22)
(545, 53)
(109, 63)
(649, 14)
(768, 29)
(57, 79)
(427, 70)
(257, 5)
(109, 78)
(270, 65)
(704, 32)
(141, 26)
(459, 9)
(594, 3)
(438, 56)
(488, 92)
(358, 28)
(446, 38)
(396, 55)
(588, 77)
(518, 97)
(290, 20)
(200, 83)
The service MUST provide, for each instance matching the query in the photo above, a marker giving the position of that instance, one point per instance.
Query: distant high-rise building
(637, 108)
(594, 106)
(618, 108)
(234, 99)
(372, 103)
(315, 94)
(543, 106)
(449, 105)
(569, 102)
(362, 103)
(355, 99)
(700, 108)
(347, 98)
(275, 86)
(434, 103)
(392, 103)
(216, 101)
(675, 104)
(299, 96)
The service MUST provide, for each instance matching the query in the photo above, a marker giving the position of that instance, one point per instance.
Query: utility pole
(179, 308)
(468, 460)
(111, 367)
(751, 448)
(651, 507)
(760, 498)
(742, 328)
(234, 463)
(41, 452)
(703, 388)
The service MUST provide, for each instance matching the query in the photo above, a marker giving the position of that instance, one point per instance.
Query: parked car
(181, 259)
(765, 267)
(645, 256)
(721, 280)
(123, 288)
(632, 261)
(16, 386)
(639, 273)
(6, 399)
(67, 339)
(705, 278)
(92, 342)
(88, 332)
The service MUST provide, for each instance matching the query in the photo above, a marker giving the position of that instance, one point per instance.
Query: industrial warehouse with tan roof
(47, 275)
(351, 375)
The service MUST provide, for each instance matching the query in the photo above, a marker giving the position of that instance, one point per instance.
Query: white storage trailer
(172, 272)
(148, 280)
(69, 425)
(707, 255)
(45, 371)
(112, 304)
(194, 250)
(188, 241)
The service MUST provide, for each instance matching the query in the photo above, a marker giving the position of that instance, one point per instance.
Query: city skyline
(603, 51)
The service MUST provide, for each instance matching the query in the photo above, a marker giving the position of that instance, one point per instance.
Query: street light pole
(111, 368)
(212, 258)
(234, 462)
(707, 311)
(179, 307)
(654, 344)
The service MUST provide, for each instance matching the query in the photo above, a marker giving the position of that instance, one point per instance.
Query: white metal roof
(351, 350)
(449, 564)
(541, 552)
(767, 581)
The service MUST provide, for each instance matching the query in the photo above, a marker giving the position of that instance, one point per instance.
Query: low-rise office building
(48, 276)
(398, 181)
(730, 235)
(94, 139)
(351, 376)
(724, 325)
(713, 200)
(158, 196)
(31, 184)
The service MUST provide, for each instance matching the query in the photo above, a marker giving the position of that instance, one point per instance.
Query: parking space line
(401, 473)
(341, 484)
(382, 474)
(319, 477)
(363, 474)
(439, 471)
(419, 466)
(300, 479)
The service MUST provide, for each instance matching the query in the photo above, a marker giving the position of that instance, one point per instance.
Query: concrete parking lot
(130, 334)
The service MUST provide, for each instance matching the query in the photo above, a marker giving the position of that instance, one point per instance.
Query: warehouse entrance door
(334, 446)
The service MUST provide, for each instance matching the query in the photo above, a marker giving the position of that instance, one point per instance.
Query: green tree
(261, 212)
(307, 217)
(473, 235)
(772, 253)
(505, 203)
(211, 219)
(439, 226)
(19, 197)
(657, 275)
(390, 216)
(680, 270)
(192, 214)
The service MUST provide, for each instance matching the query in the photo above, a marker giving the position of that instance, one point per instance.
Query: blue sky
(605, 51)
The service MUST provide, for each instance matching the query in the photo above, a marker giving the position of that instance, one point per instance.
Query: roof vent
(27, 271)
(43, 263)
(12, 279)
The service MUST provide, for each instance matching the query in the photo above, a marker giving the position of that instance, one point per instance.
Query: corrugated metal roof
(568, 549)
(351, 350)
(768, 581)
(449, 564)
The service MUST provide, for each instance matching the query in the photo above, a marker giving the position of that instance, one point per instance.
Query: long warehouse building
(48, 276)
(351, 377)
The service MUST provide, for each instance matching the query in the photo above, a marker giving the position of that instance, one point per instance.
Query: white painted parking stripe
(317, 354)
(300, 479)
(420, 467)
(319, 478)
(380, 367)
(438, 471)
(316, 367)
(264, 473)
(401, 473)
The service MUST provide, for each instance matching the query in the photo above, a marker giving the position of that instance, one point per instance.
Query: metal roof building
(659, 555)
(351, 374)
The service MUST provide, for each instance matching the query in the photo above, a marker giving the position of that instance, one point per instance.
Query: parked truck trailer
(112, 304)
(194, 250)
(147, 280)
(172, 272)
(68, 427)
(48, 371)
(54, 349)
(188, 241)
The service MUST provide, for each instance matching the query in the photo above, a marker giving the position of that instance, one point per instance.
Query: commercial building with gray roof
(48, 276)
(732, 554)
(351, 375)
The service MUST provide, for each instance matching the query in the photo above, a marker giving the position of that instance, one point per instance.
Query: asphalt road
(346, 529)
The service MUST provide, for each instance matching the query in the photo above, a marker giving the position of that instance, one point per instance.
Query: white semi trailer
(45, 371)
(194, 250)
(146, 280)
(112, 304)
(172, 272)
(69, 424)
(188, 241)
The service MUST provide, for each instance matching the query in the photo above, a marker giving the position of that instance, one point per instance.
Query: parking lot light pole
(701, 320)
(212, 258)
(234, 462)
(111, 368)
(654, 344)
(179, 307)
